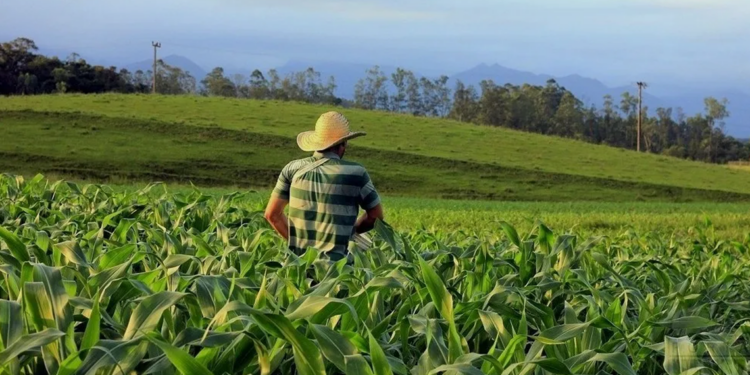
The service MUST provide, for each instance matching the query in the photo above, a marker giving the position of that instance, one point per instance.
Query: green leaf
(379, 360)
(42, 240)
(113, 354)
(116, 257)
(553, 365)
(311, 305)
(617, 361)
(184, 362)
(307, 357)
(16, 247)
(176, 260)
(29, 342)
(514, 345)
(511, 233)
(559, 334)
(145, 317)
(493, 324)
(197, 337)
(70, 365)
(73, 253)
(462, 368)
(386, 232)
(334, 346)
(679, 355)
(11, 322)
(688, 323)
(443, 300)
(722, 356)
(93, 326)
(357, 365)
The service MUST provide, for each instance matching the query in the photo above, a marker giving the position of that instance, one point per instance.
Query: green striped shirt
(324, 202)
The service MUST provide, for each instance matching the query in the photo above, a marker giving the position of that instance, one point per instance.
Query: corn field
(98, 281)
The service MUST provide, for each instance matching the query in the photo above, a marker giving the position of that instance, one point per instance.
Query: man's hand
(275, 216)
(367, 221)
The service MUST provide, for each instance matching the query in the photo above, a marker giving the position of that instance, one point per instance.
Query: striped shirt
(324, 202)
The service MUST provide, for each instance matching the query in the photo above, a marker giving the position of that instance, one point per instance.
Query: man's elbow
(269, 215)
(376, 214)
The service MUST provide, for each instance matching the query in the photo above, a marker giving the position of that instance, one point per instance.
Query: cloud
(359, 10)
(689, 4)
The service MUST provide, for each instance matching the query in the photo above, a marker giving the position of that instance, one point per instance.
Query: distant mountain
(592, 91)
(174, 60)
(589, 90)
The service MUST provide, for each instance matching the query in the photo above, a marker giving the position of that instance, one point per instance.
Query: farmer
(324, 193)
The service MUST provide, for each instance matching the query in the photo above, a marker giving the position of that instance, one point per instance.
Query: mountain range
(589, 90)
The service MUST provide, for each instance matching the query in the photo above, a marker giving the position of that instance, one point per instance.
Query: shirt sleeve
(368, 196)
(283, 185)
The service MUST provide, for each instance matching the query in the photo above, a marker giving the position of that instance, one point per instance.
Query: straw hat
(331, 129)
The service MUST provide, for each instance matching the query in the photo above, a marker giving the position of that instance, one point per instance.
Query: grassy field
(96, 280)
(225, 142)
(482, 219)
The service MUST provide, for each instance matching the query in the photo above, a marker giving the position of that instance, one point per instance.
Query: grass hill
(216, 141)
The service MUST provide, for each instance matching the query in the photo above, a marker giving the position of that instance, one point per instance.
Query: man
(324, 193)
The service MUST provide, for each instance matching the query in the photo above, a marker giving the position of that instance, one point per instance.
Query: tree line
(24, 72)
(546, 109)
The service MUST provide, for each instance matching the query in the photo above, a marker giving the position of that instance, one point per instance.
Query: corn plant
(96, 281)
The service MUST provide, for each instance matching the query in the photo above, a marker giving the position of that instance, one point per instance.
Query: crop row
(95, 281)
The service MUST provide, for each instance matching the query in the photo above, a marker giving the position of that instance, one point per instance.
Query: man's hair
(334, 147)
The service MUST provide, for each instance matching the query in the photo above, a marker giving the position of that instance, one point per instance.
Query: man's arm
(275, 216)
(367, 221)
(369, 200)
(279, 199)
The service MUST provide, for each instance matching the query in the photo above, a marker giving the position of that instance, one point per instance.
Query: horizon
(584, 37)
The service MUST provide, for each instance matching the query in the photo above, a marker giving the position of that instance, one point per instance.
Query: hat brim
(309, 142)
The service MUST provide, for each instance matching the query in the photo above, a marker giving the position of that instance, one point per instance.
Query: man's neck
(328, 154)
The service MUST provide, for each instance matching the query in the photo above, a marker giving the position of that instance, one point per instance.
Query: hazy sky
(683, 42)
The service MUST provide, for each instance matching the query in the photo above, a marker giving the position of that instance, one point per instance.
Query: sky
(690, 43)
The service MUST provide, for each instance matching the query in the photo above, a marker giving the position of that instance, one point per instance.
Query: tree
(27, 83)
(61, 80)
(465, 103)
(258, 86)
(274, 85)
(15, 56)
(370, 92)
(398, 101)
(328, 92)
(413, 95)
(493, 108)
(716, 112)
(435, 96)
(239, 81)
(629, 107)
(216, 84)
(141, 81)
(568, 119)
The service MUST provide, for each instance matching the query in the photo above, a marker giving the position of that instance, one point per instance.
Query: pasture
(502, 252)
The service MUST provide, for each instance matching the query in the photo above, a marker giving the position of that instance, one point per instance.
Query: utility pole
(641, 86)
(155, 45)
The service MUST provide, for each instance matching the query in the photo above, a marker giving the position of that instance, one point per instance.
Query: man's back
(324, 201)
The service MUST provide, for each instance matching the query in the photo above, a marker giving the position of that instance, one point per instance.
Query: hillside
(243, 142)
